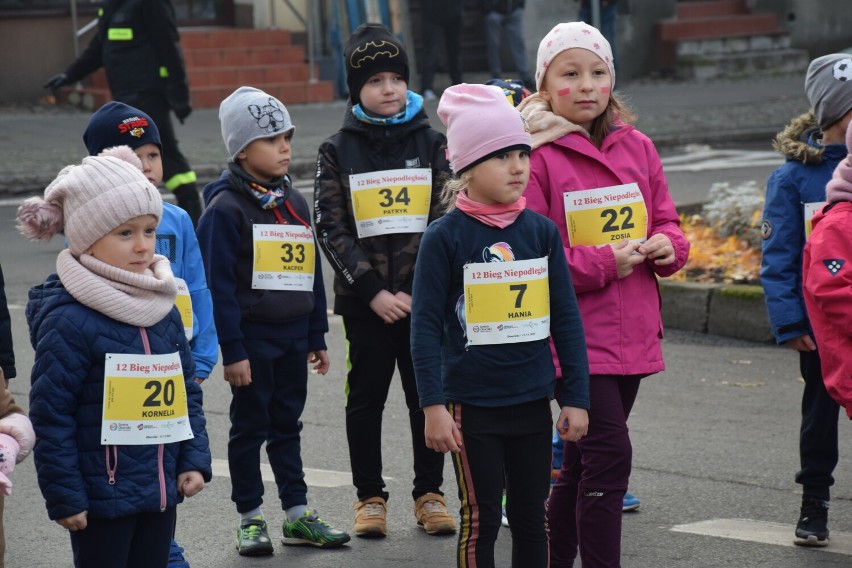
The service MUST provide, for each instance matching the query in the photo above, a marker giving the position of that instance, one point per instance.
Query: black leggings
(515, 439)
(136, 541)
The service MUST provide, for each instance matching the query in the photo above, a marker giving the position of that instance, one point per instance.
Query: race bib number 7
(507, 302)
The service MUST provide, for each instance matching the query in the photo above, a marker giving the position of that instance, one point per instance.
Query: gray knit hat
(249, 114)
(828, 86)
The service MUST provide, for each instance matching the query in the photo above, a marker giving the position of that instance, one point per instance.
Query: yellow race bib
(284, 258)
(606, 215)
(506, 302)
(391, 201)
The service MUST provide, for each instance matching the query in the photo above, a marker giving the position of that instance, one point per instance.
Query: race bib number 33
(507, 302)
(606, 215)
(284, 257)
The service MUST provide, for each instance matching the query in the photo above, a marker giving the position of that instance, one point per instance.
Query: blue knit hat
(117, 124)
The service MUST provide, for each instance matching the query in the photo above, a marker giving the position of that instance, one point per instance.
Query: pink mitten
(5, 485)
(19, 427)
(9, 448)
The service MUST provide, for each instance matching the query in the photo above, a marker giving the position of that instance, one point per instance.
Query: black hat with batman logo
(371, 49)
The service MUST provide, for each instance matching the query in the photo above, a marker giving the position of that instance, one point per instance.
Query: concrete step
(745, 64)
(249, 74)
(195, 38)
(294, 93)
(222, 59)
(732, 45)
(722, 38)
(234, 56)
(710, 8)
(735, 25)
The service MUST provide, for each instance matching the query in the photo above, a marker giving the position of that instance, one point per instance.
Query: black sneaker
(253, 538)
(812, 528)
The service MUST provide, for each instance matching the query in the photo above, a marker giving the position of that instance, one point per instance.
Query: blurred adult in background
(609, 17)
(137, 44)
(506, 15)
(440, 17)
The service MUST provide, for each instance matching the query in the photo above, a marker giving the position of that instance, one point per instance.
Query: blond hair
(453, 186)
(617, 111)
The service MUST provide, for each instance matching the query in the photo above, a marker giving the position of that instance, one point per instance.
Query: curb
(727, 310)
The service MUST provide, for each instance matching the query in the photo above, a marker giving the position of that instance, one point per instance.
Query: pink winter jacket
(827, 283)
(621, 317)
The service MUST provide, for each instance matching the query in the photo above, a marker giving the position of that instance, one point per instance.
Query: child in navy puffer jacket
(120, 433)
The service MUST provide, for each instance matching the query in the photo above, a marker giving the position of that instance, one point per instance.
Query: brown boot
(371, 517)
(431, 512)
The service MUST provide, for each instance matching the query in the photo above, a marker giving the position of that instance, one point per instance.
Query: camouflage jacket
(365, 266)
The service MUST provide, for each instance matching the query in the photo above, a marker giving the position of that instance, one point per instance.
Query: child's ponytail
(452, 187)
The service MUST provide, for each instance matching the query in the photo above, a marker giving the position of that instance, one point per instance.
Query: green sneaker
(253, 538)
(310, 529)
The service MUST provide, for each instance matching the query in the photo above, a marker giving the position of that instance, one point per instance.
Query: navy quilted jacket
(66, 405)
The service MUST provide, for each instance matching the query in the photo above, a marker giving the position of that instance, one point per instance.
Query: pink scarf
(136, 299)
(499, 215)
(839, 188)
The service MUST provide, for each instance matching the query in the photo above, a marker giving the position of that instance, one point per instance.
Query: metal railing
(78, 33)
(310, 25)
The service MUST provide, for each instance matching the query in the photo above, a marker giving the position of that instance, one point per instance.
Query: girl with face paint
(601, 181)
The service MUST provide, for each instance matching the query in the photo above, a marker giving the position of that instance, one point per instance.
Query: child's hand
(659, 249)
(5, 485)
(238, 374)
(801, 343)
(19, 427)
(573, 423)
(626, 257)
(405, 298)
(442, 434)
(190, 483)
(76, 522)
(388, 307)
(9, 448)
(322, 361)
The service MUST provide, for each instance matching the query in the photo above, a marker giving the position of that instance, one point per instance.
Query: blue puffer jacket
(801, 179)
(66, 406)
(176, 241)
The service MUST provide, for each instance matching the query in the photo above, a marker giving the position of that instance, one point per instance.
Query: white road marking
(313, 477)
(762, 532)
(707, 159)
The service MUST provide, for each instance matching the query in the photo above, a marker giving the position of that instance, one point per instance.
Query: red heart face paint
(605, 90)
(563, 92)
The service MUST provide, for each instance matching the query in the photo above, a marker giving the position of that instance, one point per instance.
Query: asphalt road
(715, 451)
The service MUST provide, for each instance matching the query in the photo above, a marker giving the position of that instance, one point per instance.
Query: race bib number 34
(391, 201)
(144, 400)
(606, 215)
(284, 257)
(507, 302)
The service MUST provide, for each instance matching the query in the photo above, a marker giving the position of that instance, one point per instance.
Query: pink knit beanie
(569, 35)
(480, 124)
(839, 187)
(90, 200)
